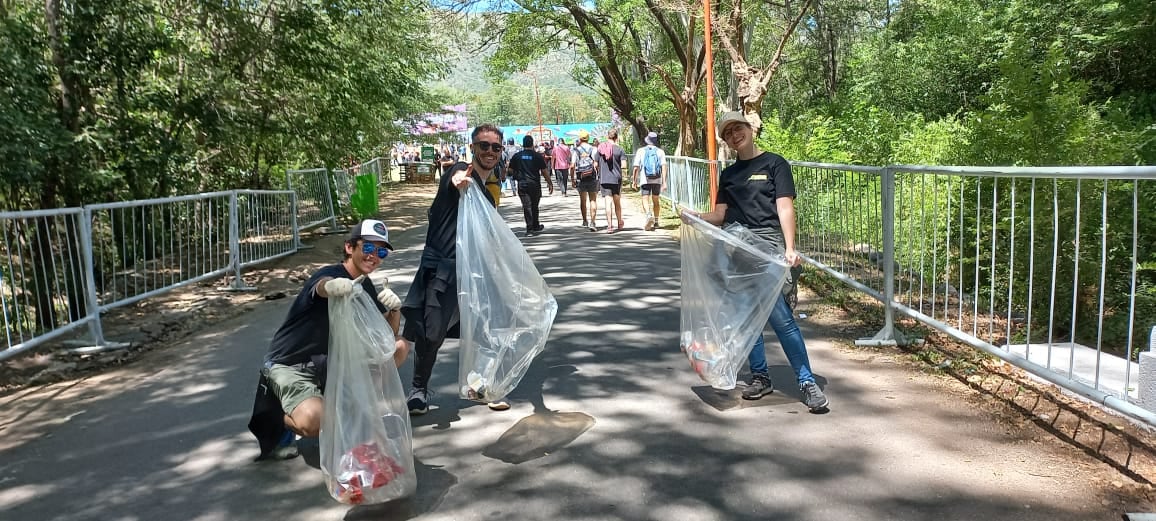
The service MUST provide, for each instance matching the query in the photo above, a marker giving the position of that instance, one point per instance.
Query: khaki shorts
(292, 385)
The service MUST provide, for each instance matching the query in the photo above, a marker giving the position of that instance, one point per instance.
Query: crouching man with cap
(289, 395)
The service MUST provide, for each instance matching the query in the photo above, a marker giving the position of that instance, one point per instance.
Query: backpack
(584, 165)
(651, 166)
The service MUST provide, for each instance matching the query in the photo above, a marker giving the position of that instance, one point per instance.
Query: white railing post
(92, 303)
(235, 245)
(1147, 376)
(296, 226)
(888, 335)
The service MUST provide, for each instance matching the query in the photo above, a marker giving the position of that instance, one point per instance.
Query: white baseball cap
(371, 230)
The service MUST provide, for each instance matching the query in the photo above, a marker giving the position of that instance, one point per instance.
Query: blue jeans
(783, 322)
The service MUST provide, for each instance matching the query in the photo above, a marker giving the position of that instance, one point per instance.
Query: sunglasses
(369, 248)
(731, 129)
(486, 146)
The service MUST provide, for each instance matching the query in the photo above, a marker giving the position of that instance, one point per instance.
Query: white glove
(389, 299)
(338, 287)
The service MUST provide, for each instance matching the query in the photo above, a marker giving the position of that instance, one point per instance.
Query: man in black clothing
(289, 395)
(529, 167)
(431, 306)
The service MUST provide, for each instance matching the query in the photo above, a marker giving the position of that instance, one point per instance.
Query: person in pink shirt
(562, 164)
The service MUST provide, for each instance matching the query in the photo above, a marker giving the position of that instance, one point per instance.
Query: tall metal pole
(711, 147)
(538, 101)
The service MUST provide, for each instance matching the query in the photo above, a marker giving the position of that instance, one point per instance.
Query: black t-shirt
(749, 189)
(526, 166)
(442, 234)
(306, 330)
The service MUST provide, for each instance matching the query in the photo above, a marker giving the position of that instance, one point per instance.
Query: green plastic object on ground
(364, 198)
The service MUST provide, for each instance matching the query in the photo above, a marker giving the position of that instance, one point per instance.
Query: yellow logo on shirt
(762, 176)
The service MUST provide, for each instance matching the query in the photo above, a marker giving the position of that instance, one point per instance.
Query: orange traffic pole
(711, 148)
(538, 100)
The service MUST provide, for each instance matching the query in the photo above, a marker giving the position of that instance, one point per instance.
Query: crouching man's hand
(338, 287)
(389, 299)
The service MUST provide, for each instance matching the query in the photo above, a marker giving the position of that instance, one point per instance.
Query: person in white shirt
(650, 177)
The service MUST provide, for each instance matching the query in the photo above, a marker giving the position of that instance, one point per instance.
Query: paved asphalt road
(610, 423)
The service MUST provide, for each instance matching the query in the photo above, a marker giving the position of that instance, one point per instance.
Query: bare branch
(668, 30)
(769, 72)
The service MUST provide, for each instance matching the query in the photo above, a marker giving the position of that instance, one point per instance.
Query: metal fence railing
(266, 228)
(315, 203)
(66, 267)
(687, 182)
(44, 275)
(1050, 269)
(377, 166)
(62, 268)
(1041, 267)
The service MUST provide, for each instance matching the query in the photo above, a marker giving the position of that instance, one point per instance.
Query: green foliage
(146, 98)
(935, 143)
(816, 138)
(1025, 82)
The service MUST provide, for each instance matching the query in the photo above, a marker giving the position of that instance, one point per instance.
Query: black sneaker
(759, 387)
(418, 402)
(286, 448)
(540, 228)
(813, 397)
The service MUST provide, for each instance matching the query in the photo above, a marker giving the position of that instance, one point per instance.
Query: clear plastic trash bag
(505, 306)
(730, 283)
(366, 440)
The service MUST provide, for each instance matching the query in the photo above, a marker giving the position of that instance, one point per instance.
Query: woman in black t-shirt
(758, 192)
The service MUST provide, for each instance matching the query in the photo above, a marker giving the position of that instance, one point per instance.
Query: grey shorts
(293, 385)
(652, 189)
(609, 189)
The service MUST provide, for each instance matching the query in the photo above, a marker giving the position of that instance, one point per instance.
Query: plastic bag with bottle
(366, 439)
(506, 308)
(730, 283)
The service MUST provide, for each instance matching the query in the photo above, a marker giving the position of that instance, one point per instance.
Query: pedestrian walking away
(529, 168)
(610, 157)
(758, 191)
(291, 385)
(562, 166)
(584, 178)
(650, 178)
(431, 306)
(510, 184)
(548, 154)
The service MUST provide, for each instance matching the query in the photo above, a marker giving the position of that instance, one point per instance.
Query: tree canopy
(145, 98)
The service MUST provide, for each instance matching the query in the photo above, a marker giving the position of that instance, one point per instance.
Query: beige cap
(729, 118)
